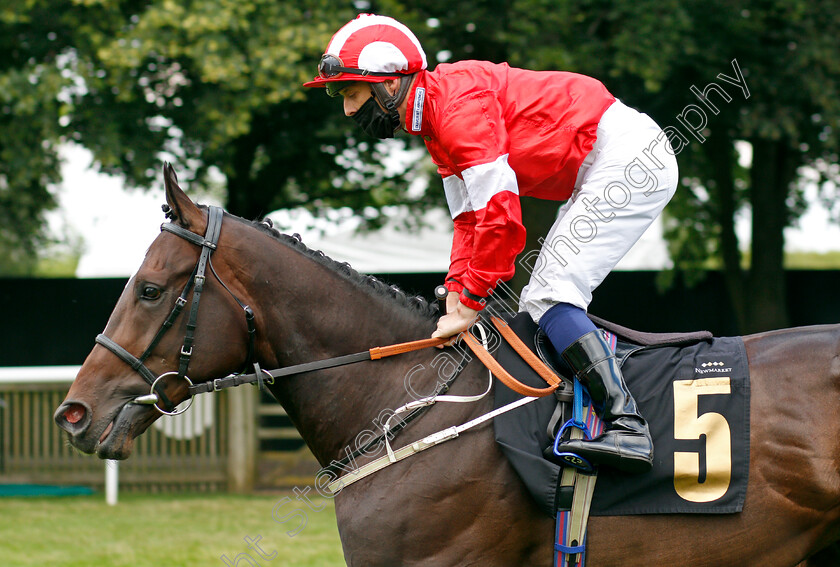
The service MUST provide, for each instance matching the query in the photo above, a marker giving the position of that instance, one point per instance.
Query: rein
(259, 374)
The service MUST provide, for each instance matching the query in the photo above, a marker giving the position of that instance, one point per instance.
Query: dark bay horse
(459, 503)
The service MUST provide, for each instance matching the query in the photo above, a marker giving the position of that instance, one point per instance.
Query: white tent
(391, 250)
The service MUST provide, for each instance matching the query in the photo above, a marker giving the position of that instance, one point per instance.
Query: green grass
(812, 261)
(166, 531)
(57, 266)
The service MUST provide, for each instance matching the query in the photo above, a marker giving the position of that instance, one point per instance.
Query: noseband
(195, 283)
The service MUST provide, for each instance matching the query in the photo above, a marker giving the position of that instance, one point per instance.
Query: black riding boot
(625, 443)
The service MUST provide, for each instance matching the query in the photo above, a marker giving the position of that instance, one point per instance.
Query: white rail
(37, 374)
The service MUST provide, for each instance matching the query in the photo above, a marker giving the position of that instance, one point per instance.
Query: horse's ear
(182, 209)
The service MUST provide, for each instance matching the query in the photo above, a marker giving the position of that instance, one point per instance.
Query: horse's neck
(321, 315)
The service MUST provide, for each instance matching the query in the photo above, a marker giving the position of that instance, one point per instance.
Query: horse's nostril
(74, 413)
(73, 417)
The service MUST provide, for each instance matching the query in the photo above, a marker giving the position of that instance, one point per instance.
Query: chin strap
(391, 103)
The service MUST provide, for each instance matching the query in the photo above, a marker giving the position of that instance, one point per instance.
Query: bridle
(196, 281)
(208, 244)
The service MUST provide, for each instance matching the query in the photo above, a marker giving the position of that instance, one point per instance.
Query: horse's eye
(150, 292)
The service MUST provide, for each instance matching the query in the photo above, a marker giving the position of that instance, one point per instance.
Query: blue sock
(564, 323)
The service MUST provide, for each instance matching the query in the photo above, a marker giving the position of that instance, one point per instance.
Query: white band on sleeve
(489, 179)
(456, 195)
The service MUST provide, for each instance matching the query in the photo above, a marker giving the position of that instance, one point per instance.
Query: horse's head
(157, 340)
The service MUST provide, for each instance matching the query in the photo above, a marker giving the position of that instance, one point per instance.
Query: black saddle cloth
(667, 382)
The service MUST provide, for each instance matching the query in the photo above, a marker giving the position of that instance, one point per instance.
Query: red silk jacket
(496, 132)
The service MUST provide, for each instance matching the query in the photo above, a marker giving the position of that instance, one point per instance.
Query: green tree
(654, 55)
(215, 86)
(788, 53)
(31, 41)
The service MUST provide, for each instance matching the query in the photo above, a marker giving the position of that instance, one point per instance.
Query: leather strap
(239, 379)
(527, 354)
(381, 352)
(577, 517)
(208, 245)
(375, 353)
(137, 365)
(503, 375)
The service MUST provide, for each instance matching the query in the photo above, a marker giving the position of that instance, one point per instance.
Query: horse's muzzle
(109, 437)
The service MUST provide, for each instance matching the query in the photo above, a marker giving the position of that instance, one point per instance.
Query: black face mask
(375, 121)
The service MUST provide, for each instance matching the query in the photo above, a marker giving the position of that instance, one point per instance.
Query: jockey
(496, 132)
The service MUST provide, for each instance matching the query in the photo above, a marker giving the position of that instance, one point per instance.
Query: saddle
(625, 342)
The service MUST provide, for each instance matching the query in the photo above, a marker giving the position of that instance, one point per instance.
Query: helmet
(370, 48)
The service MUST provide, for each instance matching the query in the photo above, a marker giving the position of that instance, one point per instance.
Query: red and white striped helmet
(370, 48)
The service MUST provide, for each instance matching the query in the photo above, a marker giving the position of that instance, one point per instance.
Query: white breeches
(622, 186)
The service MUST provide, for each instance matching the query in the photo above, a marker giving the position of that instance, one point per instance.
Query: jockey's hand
(459, 319)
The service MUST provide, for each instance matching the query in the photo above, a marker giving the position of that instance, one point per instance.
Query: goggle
(332, 67)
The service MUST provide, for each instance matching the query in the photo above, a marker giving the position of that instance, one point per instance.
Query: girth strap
(570, 547)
